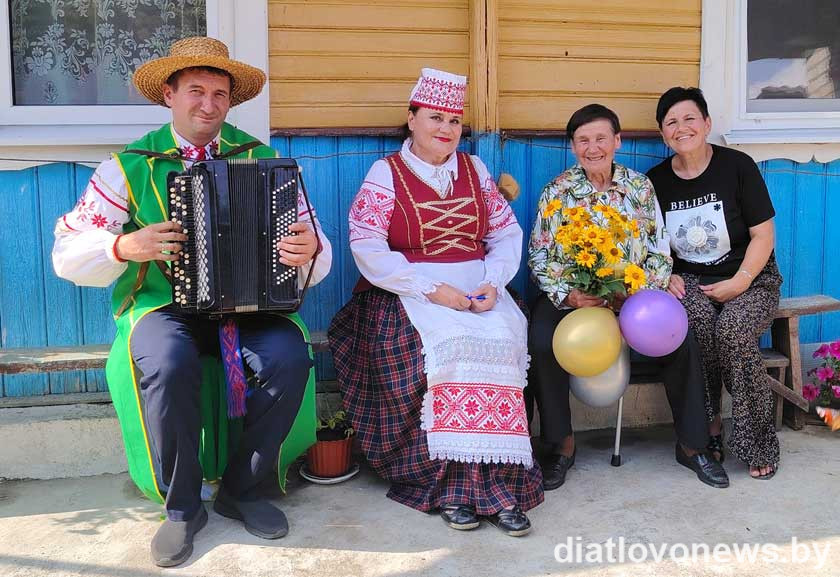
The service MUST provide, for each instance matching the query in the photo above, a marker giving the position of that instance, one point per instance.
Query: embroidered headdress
(439, 90)
(198, 51)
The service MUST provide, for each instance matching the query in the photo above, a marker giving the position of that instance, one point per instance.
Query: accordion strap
(239, 149)
(141, 276)
(176, 154)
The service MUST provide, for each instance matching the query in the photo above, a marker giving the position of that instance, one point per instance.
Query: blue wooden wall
(37, 309)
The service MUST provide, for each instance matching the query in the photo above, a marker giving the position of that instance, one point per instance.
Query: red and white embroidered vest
(426, 228)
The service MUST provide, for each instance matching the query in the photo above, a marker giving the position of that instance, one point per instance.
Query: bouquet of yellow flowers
(593, 245)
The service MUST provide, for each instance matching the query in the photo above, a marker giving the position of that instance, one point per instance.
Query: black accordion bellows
(234, 212)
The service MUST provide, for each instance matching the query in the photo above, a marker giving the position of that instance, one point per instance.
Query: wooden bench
(55, 359)
(775, 363)
(785, 334)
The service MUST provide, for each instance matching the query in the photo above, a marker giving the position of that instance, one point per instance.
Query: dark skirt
(379, 365)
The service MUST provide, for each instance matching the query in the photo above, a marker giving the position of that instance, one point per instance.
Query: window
(67, 64)
(83, 52)
(771, 70)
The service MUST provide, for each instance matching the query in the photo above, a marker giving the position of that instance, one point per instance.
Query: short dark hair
(405, 132)
(679, 94)
(590, 113)
(175, 77)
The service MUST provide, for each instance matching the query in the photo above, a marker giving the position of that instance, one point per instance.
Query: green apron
(146, 178)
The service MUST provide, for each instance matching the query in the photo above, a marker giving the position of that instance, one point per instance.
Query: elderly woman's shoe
(460, 517)
(707, 469)
(512, 522)
(554, 470)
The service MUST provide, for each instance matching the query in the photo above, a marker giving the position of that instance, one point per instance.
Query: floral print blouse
(632, 194)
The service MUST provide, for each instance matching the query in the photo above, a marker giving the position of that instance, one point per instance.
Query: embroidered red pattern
(499, 212)
(478, 408)
(371, 214)
(440, 94)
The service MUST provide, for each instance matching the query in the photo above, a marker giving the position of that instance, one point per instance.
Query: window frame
(51, 127)
(723, 79)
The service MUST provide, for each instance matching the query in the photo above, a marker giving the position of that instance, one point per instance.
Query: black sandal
(715, 448)
(766, 476)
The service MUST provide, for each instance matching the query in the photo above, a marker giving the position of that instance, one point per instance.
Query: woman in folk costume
(431, 351)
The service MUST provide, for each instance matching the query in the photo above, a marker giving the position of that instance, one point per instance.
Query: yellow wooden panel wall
(352, 63)
(558, 55)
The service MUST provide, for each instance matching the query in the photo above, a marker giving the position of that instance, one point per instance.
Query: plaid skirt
(379, 364)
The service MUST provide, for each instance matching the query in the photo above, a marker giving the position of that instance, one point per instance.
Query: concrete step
(60, 441)
(82, 440)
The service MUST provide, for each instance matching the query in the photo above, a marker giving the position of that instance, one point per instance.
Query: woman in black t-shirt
(720, 218)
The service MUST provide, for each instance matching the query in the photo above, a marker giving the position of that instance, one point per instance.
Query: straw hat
(198, 51)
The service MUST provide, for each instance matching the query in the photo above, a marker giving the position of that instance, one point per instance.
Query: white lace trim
(470, 357)
(454, 454)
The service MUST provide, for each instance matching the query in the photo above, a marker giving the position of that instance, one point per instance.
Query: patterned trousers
(728, 336)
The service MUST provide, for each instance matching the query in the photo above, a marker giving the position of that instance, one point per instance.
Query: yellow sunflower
(618, 233)
(592, 234)
(634, 277)
(585, 258)
(576, 214)
(612, 254)
(604, 271)
(552, 207)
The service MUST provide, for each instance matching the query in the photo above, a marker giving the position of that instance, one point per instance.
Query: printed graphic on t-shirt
(698, 229)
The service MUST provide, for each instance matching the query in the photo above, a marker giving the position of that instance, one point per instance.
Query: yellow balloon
(587, 341)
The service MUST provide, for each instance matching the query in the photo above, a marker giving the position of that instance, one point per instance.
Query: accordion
(234, 212)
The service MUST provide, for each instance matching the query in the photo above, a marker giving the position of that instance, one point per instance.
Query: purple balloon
(653, 322)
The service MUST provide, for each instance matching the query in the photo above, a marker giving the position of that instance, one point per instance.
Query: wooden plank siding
(531, 63)
(557, 56)
(362, 75)
(36, 309)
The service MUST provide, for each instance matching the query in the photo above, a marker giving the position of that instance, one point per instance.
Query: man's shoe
(512, 522)
(708, 470)
(173, 542)
(555, 469)
(260, 517)
(715, 448)
(460, 517)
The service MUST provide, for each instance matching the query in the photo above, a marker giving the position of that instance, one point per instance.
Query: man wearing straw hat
(160, 386)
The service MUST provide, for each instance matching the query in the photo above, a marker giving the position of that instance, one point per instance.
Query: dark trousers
(549, 383)
(166, 346)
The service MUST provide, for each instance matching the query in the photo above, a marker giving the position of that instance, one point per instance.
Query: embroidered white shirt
(370, 217)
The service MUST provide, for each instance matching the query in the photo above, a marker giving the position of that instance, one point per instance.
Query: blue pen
(478, 298)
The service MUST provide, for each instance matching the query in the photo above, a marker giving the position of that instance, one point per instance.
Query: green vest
(147, 204)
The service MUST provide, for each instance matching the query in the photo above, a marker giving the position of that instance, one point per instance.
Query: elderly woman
(431, 351)
(720, 217)
(596, 180)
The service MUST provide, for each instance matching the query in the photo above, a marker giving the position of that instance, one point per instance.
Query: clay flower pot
(329, 458)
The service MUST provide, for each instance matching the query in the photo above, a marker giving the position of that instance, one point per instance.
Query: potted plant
(330, 456)
(825, 390)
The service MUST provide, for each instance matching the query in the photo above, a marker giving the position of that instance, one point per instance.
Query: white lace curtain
(83, 52)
